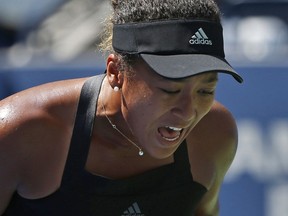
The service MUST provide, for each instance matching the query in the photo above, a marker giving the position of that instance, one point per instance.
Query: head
(161, 104)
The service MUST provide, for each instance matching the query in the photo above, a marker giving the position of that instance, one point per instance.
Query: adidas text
(200, 41)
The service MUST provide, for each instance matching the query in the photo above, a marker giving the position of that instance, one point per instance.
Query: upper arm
(213, 145)
(8, 180)
(8, 162)
(31, 124)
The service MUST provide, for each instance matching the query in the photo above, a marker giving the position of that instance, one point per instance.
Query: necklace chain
(141, 153)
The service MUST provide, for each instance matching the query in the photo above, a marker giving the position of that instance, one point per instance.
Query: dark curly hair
(144, 10)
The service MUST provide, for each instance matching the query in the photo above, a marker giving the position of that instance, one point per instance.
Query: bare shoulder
(212, 147)
(213, 142)
(35, 127)
(40, 103)
(219, 126)
(49, 98)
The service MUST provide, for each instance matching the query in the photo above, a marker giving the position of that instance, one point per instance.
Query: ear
(115, 77)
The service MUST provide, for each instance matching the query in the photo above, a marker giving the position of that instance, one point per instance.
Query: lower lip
(168, 143)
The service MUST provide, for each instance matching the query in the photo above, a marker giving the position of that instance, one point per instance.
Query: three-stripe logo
(133, 210)
(201, 38)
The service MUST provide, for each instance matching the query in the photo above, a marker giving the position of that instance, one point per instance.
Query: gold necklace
(141, 153)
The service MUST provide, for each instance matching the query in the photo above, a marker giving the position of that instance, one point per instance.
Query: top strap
(83, 127)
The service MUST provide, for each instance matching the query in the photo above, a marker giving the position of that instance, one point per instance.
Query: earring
(116, 88)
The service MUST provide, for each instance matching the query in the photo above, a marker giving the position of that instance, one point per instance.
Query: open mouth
(170, 133)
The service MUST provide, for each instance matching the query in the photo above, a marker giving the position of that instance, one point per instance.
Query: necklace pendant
(141, 153)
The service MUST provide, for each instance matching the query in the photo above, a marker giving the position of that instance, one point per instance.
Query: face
(161, 112)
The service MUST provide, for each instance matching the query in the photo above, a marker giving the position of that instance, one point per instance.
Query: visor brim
(186, 65)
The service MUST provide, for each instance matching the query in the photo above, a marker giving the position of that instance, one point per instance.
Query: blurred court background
(42, 41)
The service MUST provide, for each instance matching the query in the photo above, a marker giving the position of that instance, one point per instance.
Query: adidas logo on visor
(133, 210)
(200, 38)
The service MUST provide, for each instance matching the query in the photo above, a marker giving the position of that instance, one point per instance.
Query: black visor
(175, 48)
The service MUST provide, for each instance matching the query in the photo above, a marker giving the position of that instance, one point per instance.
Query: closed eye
(171, 91)
(206, 92)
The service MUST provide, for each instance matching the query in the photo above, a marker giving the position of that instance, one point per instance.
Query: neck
(119, 131)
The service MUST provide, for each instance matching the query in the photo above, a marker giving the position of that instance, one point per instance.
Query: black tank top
(168, 190)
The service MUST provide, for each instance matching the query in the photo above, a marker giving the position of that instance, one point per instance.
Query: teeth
(174, 128)
(170, 139)
(176, 133)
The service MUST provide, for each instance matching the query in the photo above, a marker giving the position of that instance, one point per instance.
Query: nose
(185, 108)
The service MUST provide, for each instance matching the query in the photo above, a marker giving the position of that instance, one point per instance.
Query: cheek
(141, 117)
(139, 104)
(138, 98)
(143, 108)
(204, 105)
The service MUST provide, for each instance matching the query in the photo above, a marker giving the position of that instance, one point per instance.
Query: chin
(162, 153)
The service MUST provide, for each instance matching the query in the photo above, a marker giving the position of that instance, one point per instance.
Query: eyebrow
(211, 79)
